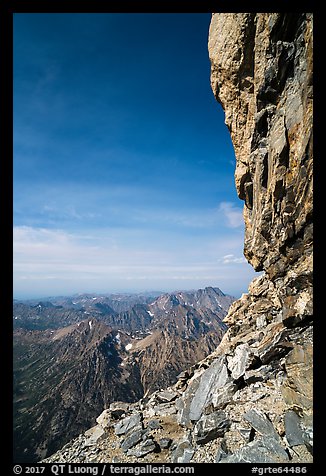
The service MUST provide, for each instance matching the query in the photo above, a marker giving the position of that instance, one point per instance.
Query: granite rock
(104, 419)
(260, 422)
(143, 448)
(165, 443)
(262, 450)
(117, 409)
(212, 388)
(210, 427)
(167, 396)
(94, 435)
(128, 423)
(183, 451)
(240, 361)
(133, 437)
(293, 430)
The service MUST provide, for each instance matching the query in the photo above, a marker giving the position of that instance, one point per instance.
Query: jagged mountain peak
(211, 298)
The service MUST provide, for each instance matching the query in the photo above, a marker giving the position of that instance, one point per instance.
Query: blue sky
(123, 167)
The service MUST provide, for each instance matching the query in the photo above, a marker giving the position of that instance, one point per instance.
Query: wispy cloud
(67, 212)
(233, 214)
(66, 204)
(109, 260)
(233, 259)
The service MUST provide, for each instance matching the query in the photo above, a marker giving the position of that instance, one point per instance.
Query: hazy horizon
(123, 166)
(150, 292)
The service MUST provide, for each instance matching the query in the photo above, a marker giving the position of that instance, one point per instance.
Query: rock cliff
(251, 399)
(262, 76)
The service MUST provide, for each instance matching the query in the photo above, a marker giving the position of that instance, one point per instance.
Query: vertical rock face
(262, 75)
(251, 399)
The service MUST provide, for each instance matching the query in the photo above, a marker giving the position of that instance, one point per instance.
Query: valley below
(73, 357)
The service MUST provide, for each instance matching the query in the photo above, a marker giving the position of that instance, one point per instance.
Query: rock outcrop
(251, 399)
(262, 76)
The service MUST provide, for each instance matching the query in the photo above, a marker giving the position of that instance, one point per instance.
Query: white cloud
(233, 214)
(226, 259)
(49, 262)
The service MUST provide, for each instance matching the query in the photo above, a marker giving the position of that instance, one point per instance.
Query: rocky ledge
(224, 409)
(251, 399)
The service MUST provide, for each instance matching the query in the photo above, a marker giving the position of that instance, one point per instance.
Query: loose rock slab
(240, 361)
(263, 450)
(214, 387)
(128, 423)
(293, 430)
(259, 421)
(210, 427)
(167, 396)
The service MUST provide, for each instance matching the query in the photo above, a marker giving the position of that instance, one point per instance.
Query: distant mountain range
(74, 356)
(60, 311)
